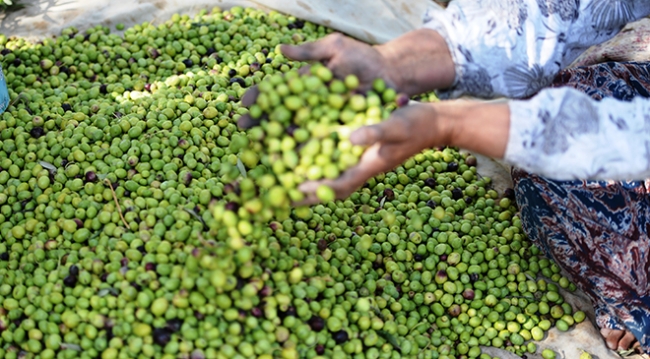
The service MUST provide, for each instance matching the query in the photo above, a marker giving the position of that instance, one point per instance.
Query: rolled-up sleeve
(564, 134)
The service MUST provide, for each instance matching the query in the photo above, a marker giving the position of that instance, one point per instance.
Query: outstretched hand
(345, 56)
(407, 132)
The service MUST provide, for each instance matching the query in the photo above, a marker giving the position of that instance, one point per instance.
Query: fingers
(309, 190)
(612, 337)
(250, 97)
(394, 130)
(626, 342)
(246, 121)
(321, 50)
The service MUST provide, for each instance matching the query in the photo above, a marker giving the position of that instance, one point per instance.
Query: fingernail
(359, 137)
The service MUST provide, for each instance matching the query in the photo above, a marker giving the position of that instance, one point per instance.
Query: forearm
(475, 126)
(419, 62)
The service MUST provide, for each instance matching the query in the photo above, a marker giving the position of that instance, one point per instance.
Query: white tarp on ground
(373, 21)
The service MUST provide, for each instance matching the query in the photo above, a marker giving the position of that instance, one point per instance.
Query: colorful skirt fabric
(597, 231)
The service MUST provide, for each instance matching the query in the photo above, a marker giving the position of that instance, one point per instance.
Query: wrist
(474, 126)
(418, 62)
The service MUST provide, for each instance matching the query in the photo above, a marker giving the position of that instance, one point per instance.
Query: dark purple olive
(232, 73)
(389, 194)
(430, 182)
(341, 337)
(4, 256)
(238, 80)
(74, 270)
(188, 178)
(473, 277)
(188, 63)
(255, 66)
(142, 249)
(79, 223)
(468, 294)
(431, 204)
(174, 325)
(104, 277)
(273, 226)
(154, 53)
(257, 312)
(265, 51)
(320, 349)
(291, 129)
(102, 89)
(232, 206)
(70, 281)
(471, 161)
(91, 176)
(443, 257)
(418, 257)
(17, 62)
(229, 188)
(454, 310)
(210, 51)
(5, 51)
(457, 193)
(66, 107)
(266, 291)
(322, 244)
(161, 336)
(37, 132)
(402, 100)
(150, 267)
(65, 70)
(269, 60)
(317, 323)
(468, 200)
(290, 312)
(452, 167)
(137, 286)
(198, 315)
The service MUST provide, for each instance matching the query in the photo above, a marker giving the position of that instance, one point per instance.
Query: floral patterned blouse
(514, 48)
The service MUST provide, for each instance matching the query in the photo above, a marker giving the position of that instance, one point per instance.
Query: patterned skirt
(597, 231)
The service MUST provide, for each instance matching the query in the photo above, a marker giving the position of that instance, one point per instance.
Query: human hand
(407, 132)
(345, 56)
(414, 63)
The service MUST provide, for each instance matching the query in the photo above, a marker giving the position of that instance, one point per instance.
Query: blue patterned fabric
(4, 93)
(597, 231)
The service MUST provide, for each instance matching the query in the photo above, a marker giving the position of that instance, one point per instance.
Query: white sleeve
(564, 134)
(514, 48)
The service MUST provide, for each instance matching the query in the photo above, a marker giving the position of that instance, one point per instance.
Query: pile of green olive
(114, 152)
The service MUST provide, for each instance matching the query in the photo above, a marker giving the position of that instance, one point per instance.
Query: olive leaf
(106, 291)
(390, 339)
(241, 168)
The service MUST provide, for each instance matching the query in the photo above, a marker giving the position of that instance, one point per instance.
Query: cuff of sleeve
(522, 124)
(438, 19)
